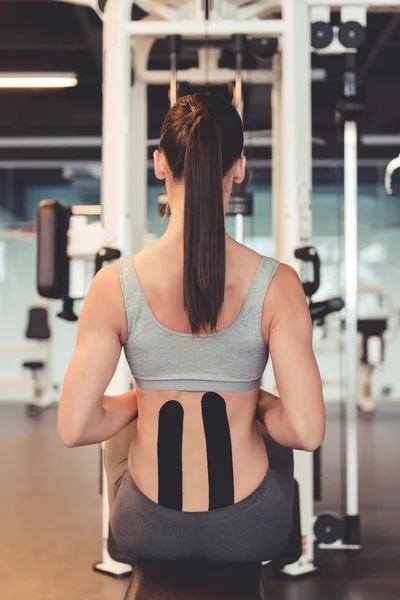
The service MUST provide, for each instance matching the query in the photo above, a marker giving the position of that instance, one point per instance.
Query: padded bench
(196, 580)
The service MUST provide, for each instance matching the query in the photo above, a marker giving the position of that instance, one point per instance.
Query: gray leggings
(256, 528)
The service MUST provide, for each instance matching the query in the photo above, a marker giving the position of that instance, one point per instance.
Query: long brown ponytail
(202, 137)
(204, 225)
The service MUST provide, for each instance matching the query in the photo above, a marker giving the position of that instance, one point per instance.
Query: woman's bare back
(250, 462)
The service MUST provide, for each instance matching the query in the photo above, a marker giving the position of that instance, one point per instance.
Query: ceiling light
(37, 80)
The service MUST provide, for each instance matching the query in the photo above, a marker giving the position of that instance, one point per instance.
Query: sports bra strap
(131, 290)
(260, 286)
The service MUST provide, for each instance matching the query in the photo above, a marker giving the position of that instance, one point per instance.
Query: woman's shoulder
(285, 293)
(107, 287)
(286, 279)
(245, 260)
(155, 254)
(105, 300)
(281, 296)
(239, 253)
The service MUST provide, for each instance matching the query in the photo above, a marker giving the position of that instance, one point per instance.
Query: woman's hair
(201, 138)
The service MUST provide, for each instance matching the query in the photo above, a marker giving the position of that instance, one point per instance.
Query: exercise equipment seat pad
(33, 366)
(196, 580)
(38, 325)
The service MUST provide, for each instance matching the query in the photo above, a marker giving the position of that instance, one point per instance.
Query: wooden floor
(50, 517)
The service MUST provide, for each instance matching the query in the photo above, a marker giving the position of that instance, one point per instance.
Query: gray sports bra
(231, 360)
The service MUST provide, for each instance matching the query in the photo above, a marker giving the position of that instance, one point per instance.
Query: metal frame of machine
(127, 45)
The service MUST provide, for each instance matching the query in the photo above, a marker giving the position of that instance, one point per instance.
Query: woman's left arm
(86, 415)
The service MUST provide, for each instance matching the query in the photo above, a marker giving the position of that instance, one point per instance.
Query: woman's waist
(195, 403)
(192, 440)
(242, 469)
(194, 422)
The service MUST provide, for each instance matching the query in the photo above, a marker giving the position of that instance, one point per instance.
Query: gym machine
(68, 242)
(327, 526)
(371, 355)
(318, 310)
(372, 330)
(174, 48)
(334, 531)
(36, 357)
(202, 575)
(392, 177)
(347, 534)
(241, 201)
(38, 330)
(291, 222)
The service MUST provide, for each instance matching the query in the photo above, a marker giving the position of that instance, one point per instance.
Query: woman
(197, 315)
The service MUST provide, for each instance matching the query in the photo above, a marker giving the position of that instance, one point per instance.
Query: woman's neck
(174, 230)
(176, 197)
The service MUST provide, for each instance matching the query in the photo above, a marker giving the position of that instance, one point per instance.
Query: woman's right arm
(116, 413)
(297, 417)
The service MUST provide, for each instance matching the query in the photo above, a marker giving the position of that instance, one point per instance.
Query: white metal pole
(239, 219)
(239, 84)
(351, 294)
(201, 28)
(351, 529)
(215, 75)
(383, 5)
(277, 157)
(293, 211)
(173, 84)
(139, 157)
(276, 163)
(239, 228)
(296, 145)
(199, 13)
(115, 189)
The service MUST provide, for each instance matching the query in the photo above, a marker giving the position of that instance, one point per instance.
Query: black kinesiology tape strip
(170, 435)
(219, 451)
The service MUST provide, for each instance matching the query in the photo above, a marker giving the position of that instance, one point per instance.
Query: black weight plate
(241, 205)
(328, 528)
(321, 35)
(352, 34)
(264, 48)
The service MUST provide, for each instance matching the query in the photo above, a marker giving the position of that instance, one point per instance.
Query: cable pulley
(241, 201)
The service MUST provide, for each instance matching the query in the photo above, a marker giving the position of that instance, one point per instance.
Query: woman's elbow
(311, 440)
(67, 438)
(312, 444)
(68, 435)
